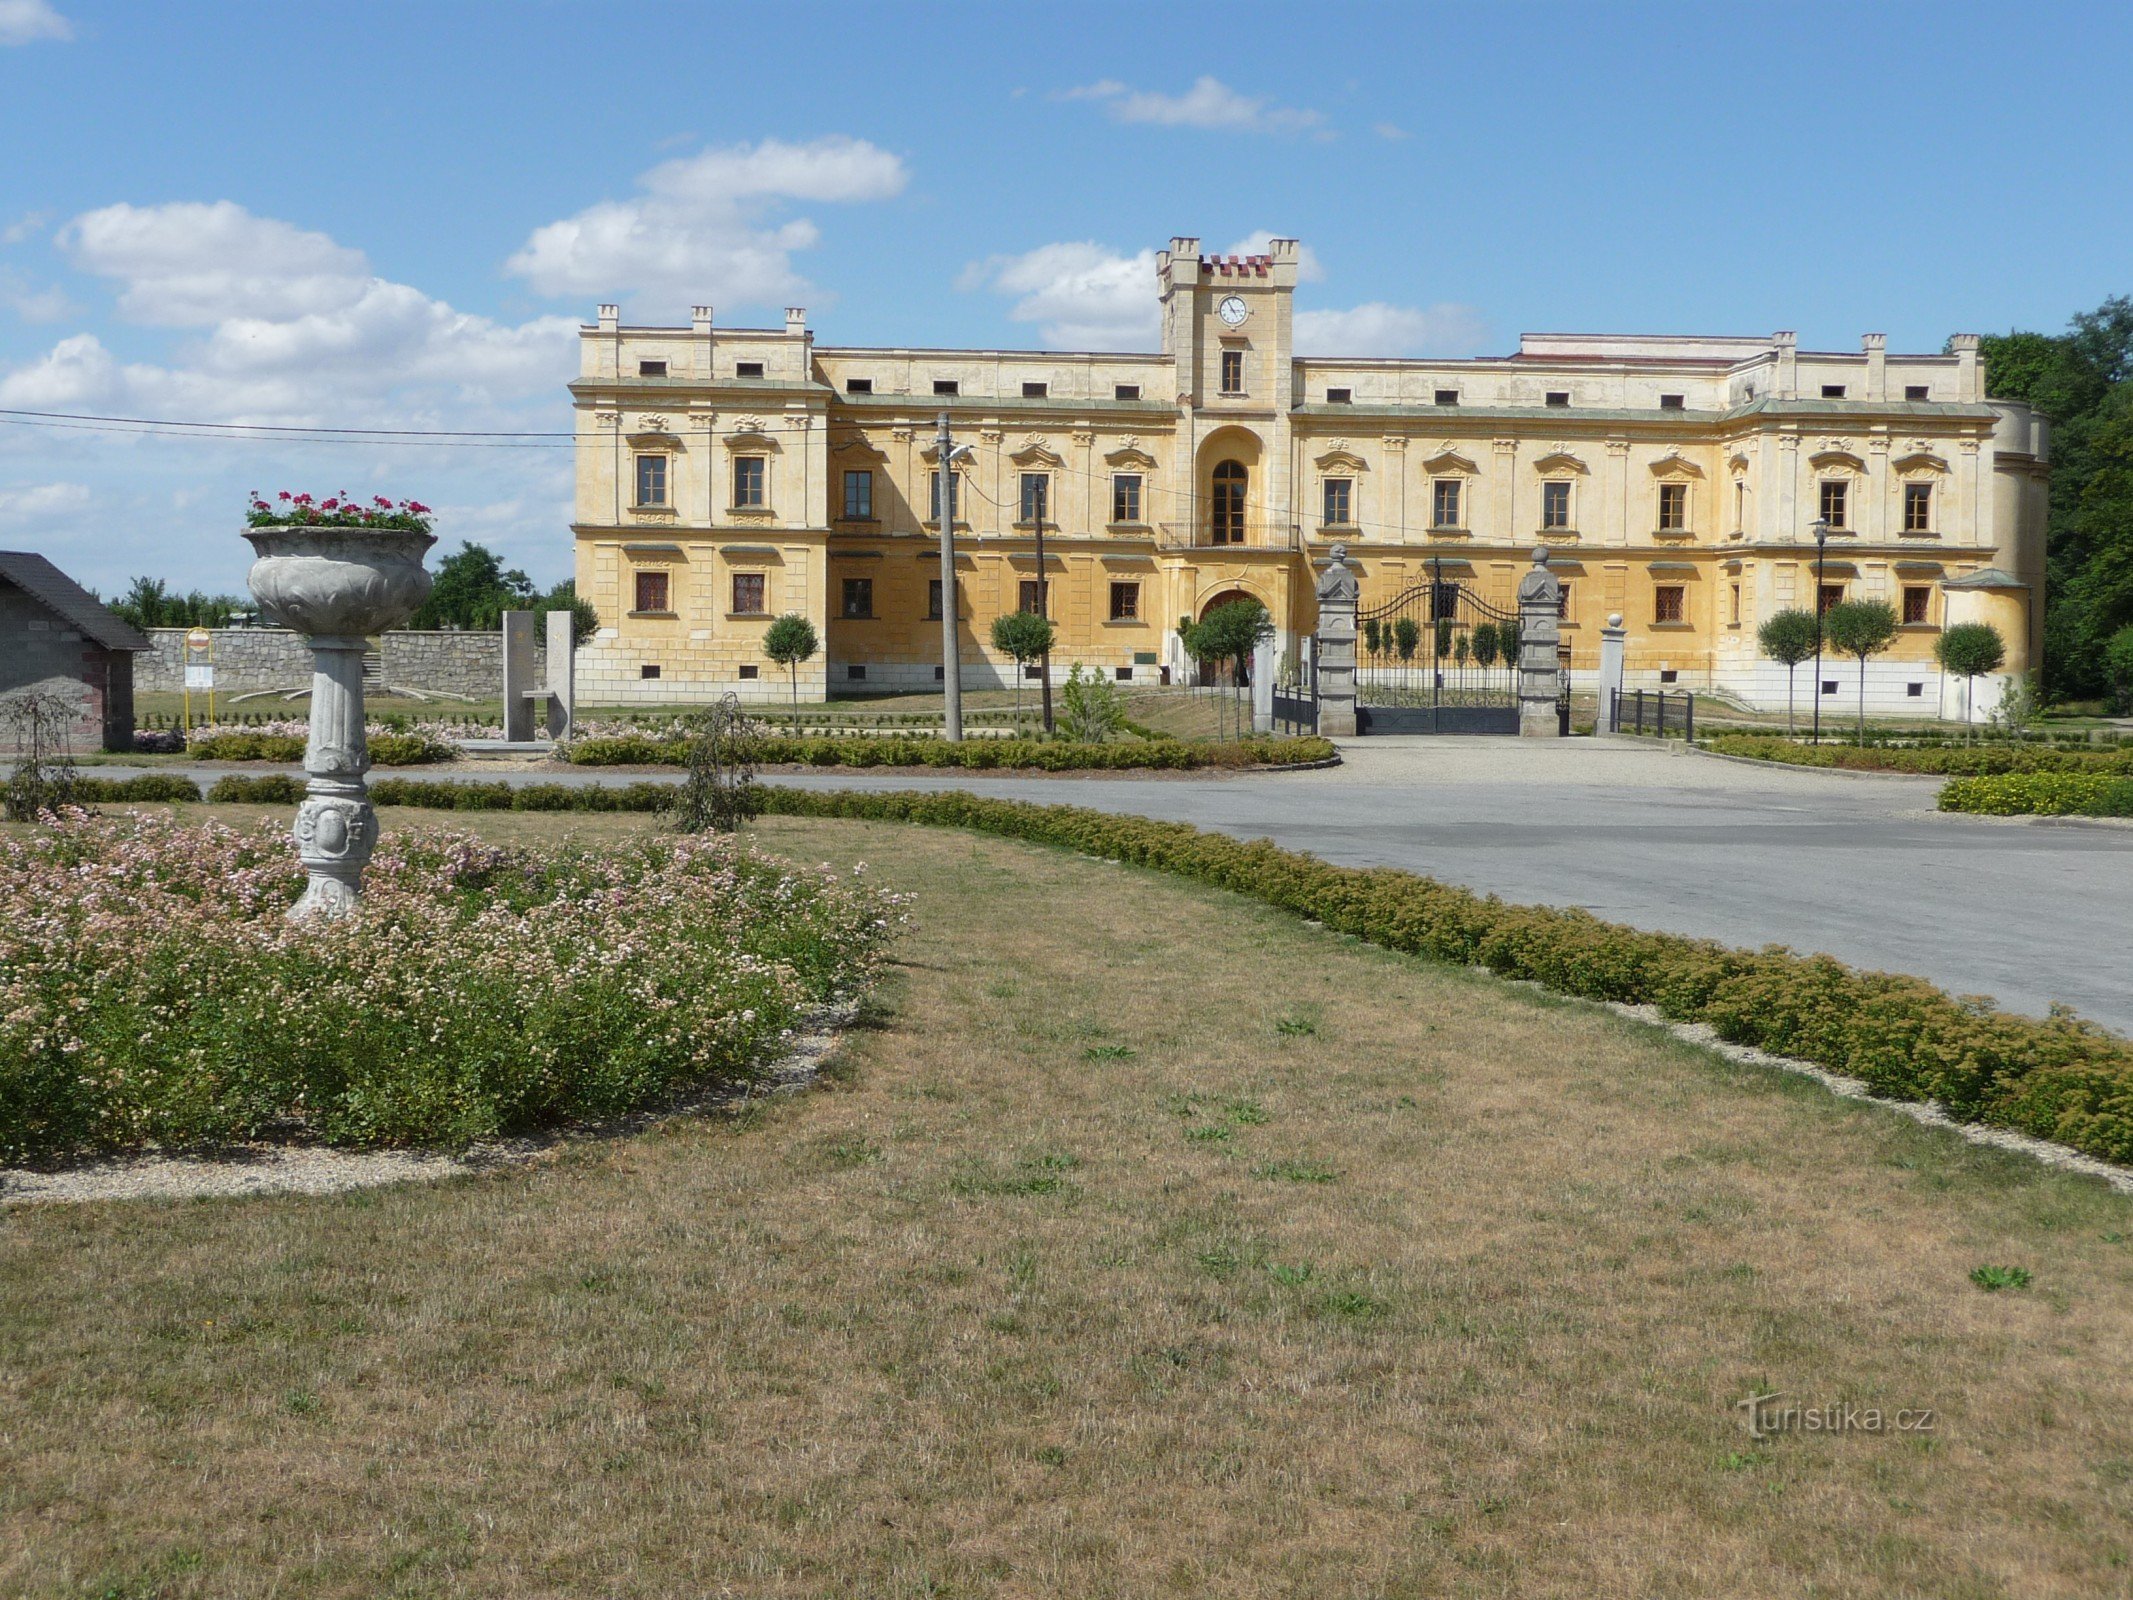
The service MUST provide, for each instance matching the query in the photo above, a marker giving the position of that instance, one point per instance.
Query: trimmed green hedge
(2041, 794)
(639, 750)
(1939, 760)
(386, 749)
(2058, 1079)
(149, 786)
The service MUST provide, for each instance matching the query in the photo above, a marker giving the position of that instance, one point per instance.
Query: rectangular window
(858, 597)
(649, 670)
(1736, 605)
(856, 672)
(1340, 397)
(1035, 504)
(1740, 503)
(1555, 504)
(750, 672)
(1125, 602)
(1233, 372)
(1673, 402)
(1917, 691)
(1832, 595)
(1026, 595)
(1916, 391)
(748, 369)
(1126, 497)
(1833, 391)
(1558, 397)
(748, 594)
(1669, 674)
(947, 386)
(1670, 603)
(1340, 494)
(933, 496)
(1444, 503)
(1122, 674)
(651, 369)
(1562, 603)
(858, 385)
(1918, 508)
(1036, 391)
(651, 480)
(1917, 604)
(1673, 507)
(1835, 493)
(751, 482)
(652, 591)
(933, 599)
(1447, 397)
(1126, 391)
(859, 496)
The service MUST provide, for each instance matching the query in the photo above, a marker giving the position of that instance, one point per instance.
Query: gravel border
(262, 1169)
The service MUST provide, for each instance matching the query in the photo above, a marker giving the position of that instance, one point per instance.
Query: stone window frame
(1670, 597)
(866, 476)
(1128, 507)
(860, 589)
(761, 580)
(640, 459)
(1455, 484)
(1230, 363)
(1130, 590)
(639, 577)
(1565, 518)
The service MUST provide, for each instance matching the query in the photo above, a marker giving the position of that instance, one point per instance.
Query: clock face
(1231, 310)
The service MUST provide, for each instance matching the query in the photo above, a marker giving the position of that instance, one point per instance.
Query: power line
(290, 427)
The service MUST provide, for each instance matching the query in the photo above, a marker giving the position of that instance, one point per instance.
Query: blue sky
(383, 215)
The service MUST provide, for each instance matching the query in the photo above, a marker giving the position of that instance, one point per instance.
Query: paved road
(1860, 867)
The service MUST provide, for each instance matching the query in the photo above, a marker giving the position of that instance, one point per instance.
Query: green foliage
(38, 725)
(1022, 635)
(1860, 628)
(2118, 668)
(2055, 1078)
(584, 620)
(1488, 646)
(471, 588)
(718, 791)
(1788, 637)
(148, 603)
(2082, 380)
(1091, 709)
(1406, 637)
(1373, 636)
(1939, 760)
(412, 749)
(902, 750)
(789, 641)
(1993, 1279)
(2021, 707)
(2040, 794)
(1970, 649)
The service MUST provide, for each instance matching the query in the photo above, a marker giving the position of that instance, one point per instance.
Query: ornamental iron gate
(1437, 658)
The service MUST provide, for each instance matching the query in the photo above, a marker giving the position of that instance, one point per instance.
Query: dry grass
(1145, 1243)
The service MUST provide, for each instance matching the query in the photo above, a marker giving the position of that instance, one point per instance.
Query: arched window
(1230, 479)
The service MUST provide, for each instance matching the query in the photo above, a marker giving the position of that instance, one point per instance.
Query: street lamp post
(1821, 527)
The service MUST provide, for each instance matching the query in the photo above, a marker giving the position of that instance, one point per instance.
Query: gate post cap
(1614, 619)
(1540, 555)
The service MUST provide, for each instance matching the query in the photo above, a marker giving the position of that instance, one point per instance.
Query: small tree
(718, 790)
(1373, 636)
(1407, 637)
(2021, 707)
(1230, 633)
(1860, 628)
(38, 724)
(1969, 650)
(1026, 636)
(1788, 638)
(1091, 706)
(789, 641)
(2118, 667)
(1486, 644)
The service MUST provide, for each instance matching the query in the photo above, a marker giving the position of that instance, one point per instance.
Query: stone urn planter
(337, 586)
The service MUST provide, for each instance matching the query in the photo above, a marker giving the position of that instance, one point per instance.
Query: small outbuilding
(57, 637)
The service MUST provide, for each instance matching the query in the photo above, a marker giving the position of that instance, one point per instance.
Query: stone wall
(43, 653)
(249, 659)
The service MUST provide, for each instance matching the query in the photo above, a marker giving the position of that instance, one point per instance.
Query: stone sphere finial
(1540, 555)
(1614, 619)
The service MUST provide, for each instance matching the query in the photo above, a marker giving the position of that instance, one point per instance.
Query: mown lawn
(1142, 1242)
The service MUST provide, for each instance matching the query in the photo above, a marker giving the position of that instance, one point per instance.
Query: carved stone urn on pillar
(337, 585)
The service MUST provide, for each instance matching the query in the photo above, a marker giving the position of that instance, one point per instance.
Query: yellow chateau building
(728, 475)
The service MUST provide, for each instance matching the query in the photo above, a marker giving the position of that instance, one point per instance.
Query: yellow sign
(198, 639)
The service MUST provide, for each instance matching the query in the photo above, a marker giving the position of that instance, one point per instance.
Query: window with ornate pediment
(1835, 503)
(1126, 499)
(1918, 508)
(1339, 502)
(1445, 495)
(651, 479)
(1673, 507)
(1555, 505)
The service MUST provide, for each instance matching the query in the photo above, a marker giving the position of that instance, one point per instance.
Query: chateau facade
(728, 476)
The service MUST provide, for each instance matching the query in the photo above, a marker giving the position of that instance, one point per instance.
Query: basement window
(1126, 391)
(1669, 675)
(1917, 691)
(750, 672)
(1673, 402)
(859, 386)
(1447, 397)
(651, 369)
(748, 369)
(947, 386)
(1833, 391)
(1340, 397)
(1122, 674)
(1036, 391)
(1558, 397)
(856, 672)
(648, 670)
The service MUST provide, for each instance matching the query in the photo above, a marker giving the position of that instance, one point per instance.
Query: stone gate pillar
(1338, 588)
(1540, 597)
(519, 687)
(562, 673)
(1613, 640)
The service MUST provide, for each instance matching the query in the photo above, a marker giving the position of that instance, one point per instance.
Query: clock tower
(1227, 324)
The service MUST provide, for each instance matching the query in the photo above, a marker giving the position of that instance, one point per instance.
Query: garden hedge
(2058, 1078)
(2041, 794)
(634, 750)
(1939, 760)
(386, 749)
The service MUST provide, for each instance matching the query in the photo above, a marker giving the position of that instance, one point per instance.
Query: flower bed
(2058, 1079)
(152, 991)
(1938, 760)
(2041, 794)
(1045, 755)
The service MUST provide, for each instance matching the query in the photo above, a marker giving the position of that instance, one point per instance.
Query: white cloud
(29, 224)
(1390, 130)
(42, 500)
(31, 304)
(1083, 296)
(1256, 243)
(1209, 103)
(25, 21)
(190, 265)
(708, 228)
(1378, 329)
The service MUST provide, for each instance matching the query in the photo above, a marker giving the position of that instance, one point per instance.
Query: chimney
(795, 321)
(1969, 380)
(700, 321)
(1876, 346)
(1787, 345)
(610, 318)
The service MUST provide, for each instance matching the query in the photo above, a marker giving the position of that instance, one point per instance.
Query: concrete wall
(43, 652)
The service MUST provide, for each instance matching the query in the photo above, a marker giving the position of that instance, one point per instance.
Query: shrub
(152, 991)
(389, 747)
(2040, 794)
(2057, 1079)
(1940, 760)
(148, 786)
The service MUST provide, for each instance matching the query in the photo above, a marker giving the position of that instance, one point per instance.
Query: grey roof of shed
(59, 593)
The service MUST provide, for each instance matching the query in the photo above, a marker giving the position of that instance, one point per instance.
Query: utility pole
(1821, 532)
(1044, 600)
(951, 645)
